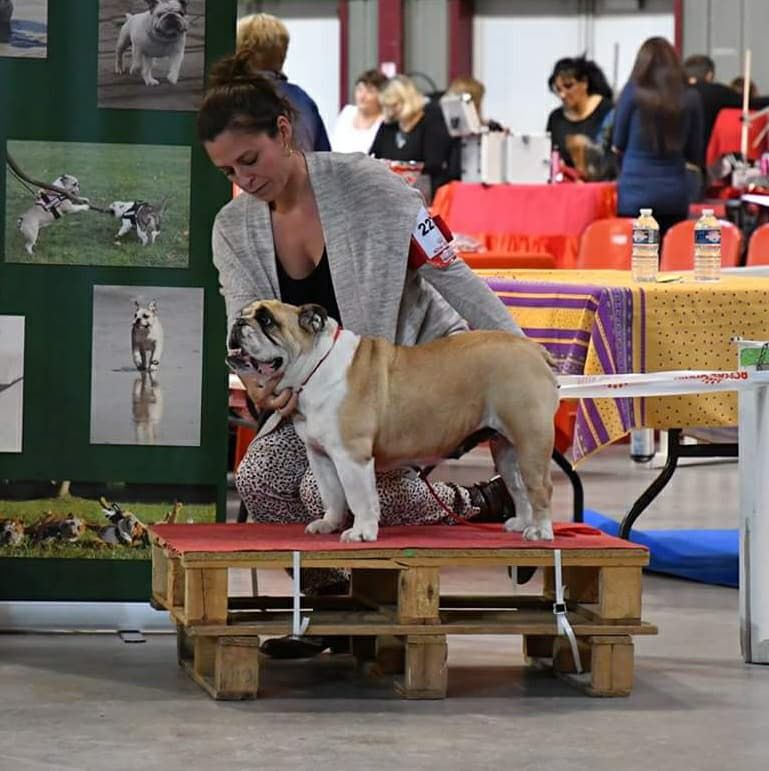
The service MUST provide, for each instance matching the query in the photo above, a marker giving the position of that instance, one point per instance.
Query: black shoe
(493, 501)
(292, 647)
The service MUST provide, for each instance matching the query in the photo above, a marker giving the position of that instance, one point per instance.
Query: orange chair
(758, 247)
(606, 244)
(678, 246)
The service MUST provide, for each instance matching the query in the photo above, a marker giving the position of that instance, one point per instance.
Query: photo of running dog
(70, 218)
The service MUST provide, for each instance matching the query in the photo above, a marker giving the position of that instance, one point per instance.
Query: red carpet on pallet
(222, 537)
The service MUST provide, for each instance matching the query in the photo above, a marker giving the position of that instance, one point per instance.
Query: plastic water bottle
(642, 445)
(707, 247)
(646, 247)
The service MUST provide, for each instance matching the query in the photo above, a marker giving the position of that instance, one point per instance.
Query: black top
(429, 141)
(560, 127)
(316, 288)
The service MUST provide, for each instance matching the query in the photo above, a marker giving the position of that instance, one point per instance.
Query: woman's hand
(264, 397)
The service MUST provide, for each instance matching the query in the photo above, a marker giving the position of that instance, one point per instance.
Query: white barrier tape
(559, 608)
(299, 625)
(659, 383)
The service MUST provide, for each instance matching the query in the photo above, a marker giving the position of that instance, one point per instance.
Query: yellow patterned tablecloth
(597, 322)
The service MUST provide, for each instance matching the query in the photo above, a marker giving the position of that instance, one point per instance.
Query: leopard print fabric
(276, 485)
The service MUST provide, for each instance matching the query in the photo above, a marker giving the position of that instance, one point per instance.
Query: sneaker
(493, 501)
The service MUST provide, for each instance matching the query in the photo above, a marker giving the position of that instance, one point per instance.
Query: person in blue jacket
(657, 131)
(266, 37)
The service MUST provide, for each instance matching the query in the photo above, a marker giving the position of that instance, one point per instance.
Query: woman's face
(392, 109)
(257, 163)
(367, 99)
(570, 91)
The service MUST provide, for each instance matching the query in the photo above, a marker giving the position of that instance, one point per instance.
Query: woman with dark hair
(586, 102)
(657, 130)
(333, 229)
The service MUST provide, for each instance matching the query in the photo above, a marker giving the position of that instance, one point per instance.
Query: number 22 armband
(431, 242)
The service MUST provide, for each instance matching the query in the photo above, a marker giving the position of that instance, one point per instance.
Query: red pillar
(390, 33)
(678, 26)
(343, 12)
(460, 37)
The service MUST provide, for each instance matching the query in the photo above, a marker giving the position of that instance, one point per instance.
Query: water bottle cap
(646, 212)
(707, 212)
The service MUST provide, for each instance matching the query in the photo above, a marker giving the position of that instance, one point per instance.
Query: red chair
(508, 260)
(758, 247)
(606, 244)
(678, 246)
(727, 132)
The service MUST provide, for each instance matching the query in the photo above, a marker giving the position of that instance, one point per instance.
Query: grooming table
(394, 612)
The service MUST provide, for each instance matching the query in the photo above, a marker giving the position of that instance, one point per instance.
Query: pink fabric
(221, 537)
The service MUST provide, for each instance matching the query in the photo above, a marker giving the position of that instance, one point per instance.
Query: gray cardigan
(367, 214)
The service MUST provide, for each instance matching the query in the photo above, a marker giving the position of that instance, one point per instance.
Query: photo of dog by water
(11, 383)
(146, 337)
(24, 28)
(6, 12)
(151, 54)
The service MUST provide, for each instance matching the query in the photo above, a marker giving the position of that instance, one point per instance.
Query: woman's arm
(470, 296)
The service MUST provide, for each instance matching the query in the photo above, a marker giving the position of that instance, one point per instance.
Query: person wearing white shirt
(357, 124)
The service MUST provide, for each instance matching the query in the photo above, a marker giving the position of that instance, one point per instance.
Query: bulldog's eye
(265, 320)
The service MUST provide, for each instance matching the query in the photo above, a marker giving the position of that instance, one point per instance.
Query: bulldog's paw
(360, 533)
(320, 527)
(543, 532)
(173, 78)
(150, 81)
(516, 524)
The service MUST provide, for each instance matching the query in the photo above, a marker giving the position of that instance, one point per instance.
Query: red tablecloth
(526, 218)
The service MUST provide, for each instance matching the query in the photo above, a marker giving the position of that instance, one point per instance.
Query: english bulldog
(50, 206)
(146, 337)
(158, 33)
(140, 216)
(11, 532)
(365, 404)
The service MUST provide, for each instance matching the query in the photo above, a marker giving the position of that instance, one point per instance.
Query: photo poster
(163, 453)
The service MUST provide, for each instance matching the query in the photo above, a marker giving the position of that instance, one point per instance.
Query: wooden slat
(619, 593)
(419, 593)
(174, 582)
(236, 668)
(205, 595)
(159, 572)
(426, 674)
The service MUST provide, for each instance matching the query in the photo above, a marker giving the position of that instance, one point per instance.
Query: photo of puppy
(146, 337)
(140, 216)
(11, 383)
(24, 28)
(51, 528)
(49, 207)
(165, 345)
(159, 33)
(11, 532)
(151, 54)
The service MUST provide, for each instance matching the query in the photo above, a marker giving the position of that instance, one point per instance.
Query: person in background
(333, 229)
(586, 103)
(413, 131)
(266, 38)
(738, 84)
(357, 124)
(657, 130)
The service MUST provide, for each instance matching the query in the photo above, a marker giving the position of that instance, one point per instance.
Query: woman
(357, 124)
(586, 103)
(413, 131)
(335, 230)
(657, 130)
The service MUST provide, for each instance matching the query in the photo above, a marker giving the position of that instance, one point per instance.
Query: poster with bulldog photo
(77, 203)
(93, 520)
(24, 28)
(151, 54)
(146, 365)
(11, 382)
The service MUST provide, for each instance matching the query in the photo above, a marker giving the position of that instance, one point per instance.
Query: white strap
(299, 626)
(559, 608)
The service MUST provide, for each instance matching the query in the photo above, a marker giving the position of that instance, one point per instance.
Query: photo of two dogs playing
(101, 204)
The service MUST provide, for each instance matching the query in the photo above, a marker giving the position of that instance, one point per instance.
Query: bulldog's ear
(312, 318)
(136, 305)
(151, 3)
(154, 306)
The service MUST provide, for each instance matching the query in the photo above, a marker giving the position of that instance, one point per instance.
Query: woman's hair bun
(232, 70)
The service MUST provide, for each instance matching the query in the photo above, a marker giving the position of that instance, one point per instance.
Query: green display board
(85, 420)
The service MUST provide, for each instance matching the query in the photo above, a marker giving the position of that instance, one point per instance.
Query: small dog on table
(158, 33)
(50, 206)
(364, 403)
(146, 337)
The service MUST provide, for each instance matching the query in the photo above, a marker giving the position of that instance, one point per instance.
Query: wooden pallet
(397, 618)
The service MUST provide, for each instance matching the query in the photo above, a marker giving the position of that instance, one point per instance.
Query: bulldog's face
(169, 17)
(68, 182)
(269, 336)
(11, 532)
(144, 318)
(71, 528)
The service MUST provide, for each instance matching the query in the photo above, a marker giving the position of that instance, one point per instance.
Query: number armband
(431, 242)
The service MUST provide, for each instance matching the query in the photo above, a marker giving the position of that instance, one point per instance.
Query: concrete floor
(94, 702)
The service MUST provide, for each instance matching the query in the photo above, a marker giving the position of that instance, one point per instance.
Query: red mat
(222, 537)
